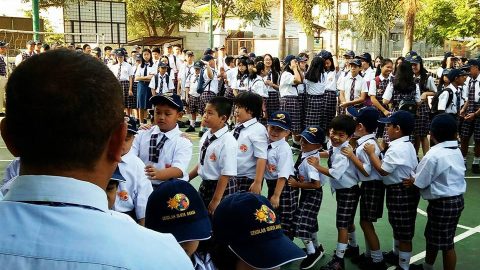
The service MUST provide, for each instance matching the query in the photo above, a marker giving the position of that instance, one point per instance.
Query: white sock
(352, 239)
(476, 160)
(367, 249)
(395, 247)
(340, 252)
(404, 259)
(315, 240)
(192, 122)
(377, 256)
(309, 245)
(427, 266)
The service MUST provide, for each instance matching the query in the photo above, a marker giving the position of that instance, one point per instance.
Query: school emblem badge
(280, 116)
(123, 195)
(265, 214)
(179, 202)
(168, 166)
(271, 168)
(243, 148)
(312, 130)
(213, 157)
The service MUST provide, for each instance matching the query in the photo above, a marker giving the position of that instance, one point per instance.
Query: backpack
(435, 99)
(201, 81)
(368, 101)
(408, 104)
(167, 78)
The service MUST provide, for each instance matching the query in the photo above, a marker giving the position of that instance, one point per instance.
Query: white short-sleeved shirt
(192, 84)
(368, 74)
(220, 157)
(185, 73)
(359, 87)
(340, 76)
(388, 94)
(308, 173)
(134, 192)
(441, 172)
(240, 84)
(301, 87)
(343, 171)
(372, 88)
(466, 88)
(121, 216)
(231, 76)
(174, 62)
(213, 86)
(287, 87)
(363, 157)
(151, 70)
(133, 71)
(439, 72)
(176, 152)
(399, 161)
(125, 70)
(443, 100)
(317, 88)
(279, 161)
(252, 145)
(257, 86)
(331, 82)
(165, 84)
(430, 83)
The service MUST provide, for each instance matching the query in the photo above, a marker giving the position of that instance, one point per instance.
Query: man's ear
(7, 138)
(115, 144)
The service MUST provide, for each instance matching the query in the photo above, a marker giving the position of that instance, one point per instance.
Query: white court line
(423, 213)
(472, 177)
(6, 160)
(457, 238)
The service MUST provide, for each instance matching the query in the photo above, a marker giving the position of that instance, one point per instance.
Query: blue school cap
(176, 207)
(3, 44)
(443, 124)
(357, 62)
(162, 64)
(174, 100)
(365, 56)
(325, 54)
(314, 135)
(413, 57)
(349, 53)
(198, 64)
(367, 115)
(207, 57)
(208, 51)
(117, 176)
(288, 59)
(454, 73)
(247, 224)
(404, 119)
(280, 119)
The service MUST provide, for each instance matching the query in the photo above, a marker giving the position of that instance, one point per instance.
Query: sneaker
(368, 264)
(181, 124)
(416, 266)
(190, 129)
(390, 258)
(360, 259)
(335, 264)
(351, 251)
(476, 168)
(312, 259)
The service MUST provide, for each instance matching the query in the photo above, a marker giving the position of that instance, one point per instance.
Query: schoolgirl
(329, 104)
(121, 69)
(143, 75)
(377, 88)
(271, 81)
(239, 83)
(315, 88)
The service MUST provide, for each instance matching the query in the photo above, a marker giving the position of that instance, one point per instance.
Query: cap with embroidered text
(173, 100)
(176, 207)
(313, 135)
(247, 224)
(280, 119)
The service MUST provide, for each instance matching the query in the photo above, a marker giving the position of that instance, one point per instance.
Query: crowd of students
(367, 120)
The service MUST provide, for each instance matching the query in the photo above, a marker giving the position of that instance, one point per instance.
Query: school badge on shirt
(271, 168)
(243, 148)
(265, 214)
(168, 166)
(123, 195)
(179, 202)
(213, 157)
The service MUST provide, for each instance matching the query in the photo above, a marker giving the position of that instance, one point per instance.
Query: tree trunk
(281, 30)
(410, 10)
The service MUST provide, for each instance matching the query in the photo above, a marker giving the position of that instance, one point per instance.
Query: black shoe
(351, 252)
(476, 168)
(370, 265)
(359, 259)
(181, 124)
(416, 266)
(200, 133)
(335, 264)
(190, 129)
(312, 259)
(390, 258)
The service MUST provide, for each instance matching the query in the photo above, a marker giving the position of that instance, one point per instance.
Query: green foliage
(302, 11)
(440, 20)
(377, 17)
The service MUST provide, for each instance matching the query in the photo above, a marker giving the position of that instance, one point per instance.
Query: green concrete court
(468, 232)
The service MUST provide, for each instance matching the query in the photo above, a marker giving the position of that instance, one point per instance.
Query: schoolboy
(193, 100)
(252, 142)
(398, 163)
(133, 193)
(470, 111)
(176, 208)
(353, 88)
(457, 79)
(111, 191)
(210, 84)
(185, 74)
(279, 168)
(310, 182)
(372, 190)
(162, 148)
(217, 164)
(440, 175)
(343, 181)
(161, 83)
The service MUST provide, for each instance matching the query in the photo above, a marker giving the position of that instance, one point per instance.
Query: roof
(155, 41)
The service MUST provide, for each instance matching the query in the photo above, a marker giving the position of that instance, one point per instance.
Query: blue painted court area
(468, 232)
